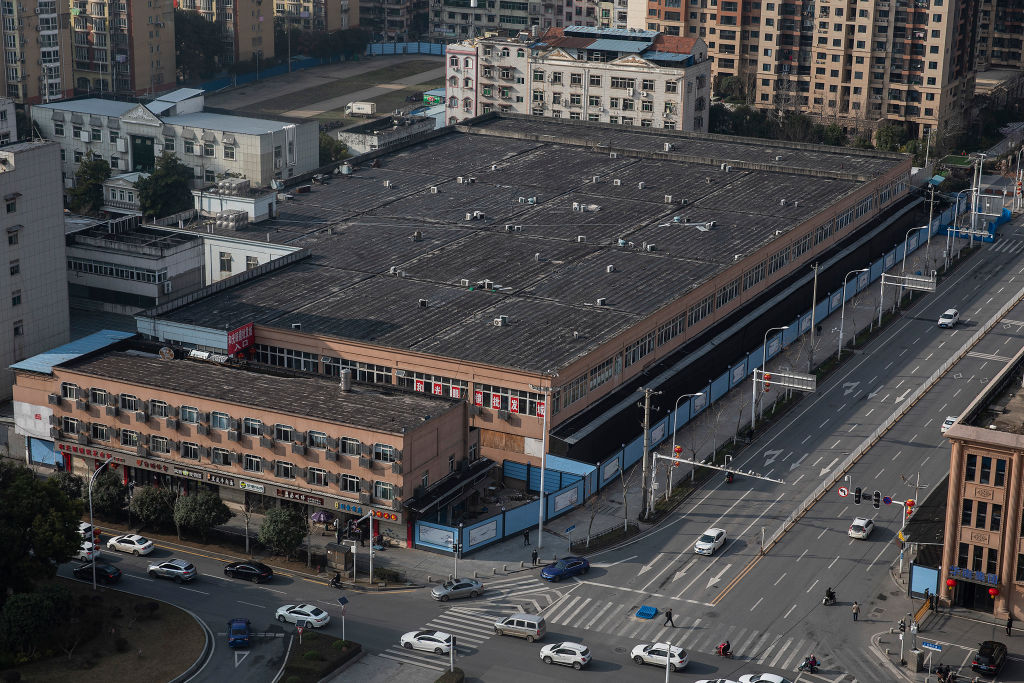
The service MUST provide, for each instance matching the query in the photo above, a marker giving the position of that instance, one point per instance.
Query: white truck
(360, 108)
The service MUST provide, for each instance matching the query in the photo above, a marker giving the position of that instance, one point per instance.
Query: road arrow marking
(849, 387)
(875, 392)
(650, 565)
(902, 396)
(714, 581)
(770, 456)
(679, 574)
(826, 469)
(797, 463)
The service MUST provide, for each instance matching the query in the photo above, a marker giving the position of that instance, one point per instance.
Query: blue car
(564, 568)
(238, 633)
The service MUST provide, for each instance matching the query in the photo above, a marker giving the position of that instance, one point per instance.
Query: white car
(85, 553)
(131, 543)
(313, 616)
(950, 318)
(764, 678)
(861, 528)
(438, 642)
(947, 423)
(710, 541)
(655, 653)
(716, 680)
(576, 655)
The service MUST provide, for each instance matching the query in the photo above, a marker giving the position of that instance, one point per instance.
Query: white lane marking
(823, 532)
(194, 590)
(852, 427)
(805, 439)
(833, 562)
(603, 565)
(915, 370)
(879, 473)
(833, 446)
(780, 578)
(251, 604)
(802, 555)
(897, 455)
(756, 604)
(823, 423)
(790, 610)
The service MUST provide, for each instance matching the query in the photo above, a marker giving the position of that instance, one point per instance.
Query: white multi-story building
(631, 77)
(34, 309)
(131, 136)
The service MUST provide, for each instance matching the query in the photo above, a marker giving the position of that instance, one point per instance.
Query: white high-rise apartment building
(33, 284)
(632, 77)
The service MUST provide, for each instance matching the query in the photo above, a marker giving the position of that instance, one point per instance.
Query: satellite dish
(167, 353)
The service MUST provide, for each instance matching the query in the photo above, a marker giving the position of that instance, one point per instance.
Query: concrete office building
(908, 61)
(34, 314)
(983, 544)
(131, 136)
(634, 77)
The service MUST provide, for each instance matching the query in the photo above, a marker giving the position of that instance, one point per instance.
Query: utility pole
(928, 244)
(814, 331)
(645, 510)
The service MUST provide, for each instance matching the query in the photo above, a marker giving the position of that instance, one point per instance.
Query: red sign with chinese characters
(478, 397)
(419, 385)
(496, 401)
(437, 388)
(513, 404)
(540, 408)
(456, 392)
(240, 339)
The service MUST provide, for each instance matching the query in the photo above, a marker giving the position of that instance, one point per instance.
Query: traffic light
(910, 506)
(876, 499)
(856, 495)
(903, 626)
(1019, 192)
(767, 381)
(96, 537)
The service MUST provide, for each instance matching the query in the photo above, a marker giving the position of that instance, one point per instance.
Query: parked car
(238, 633)
(250, 570)
(179, 570)
(131, 543)
(564, 568)
(105, 573)
(86, 552)
(457, 588)
(764, 678)
(576, 655)
(438, 642)
(989, 658)
(716, 680)
(655, 653)
(950, 318)
(947, 423)
(710, 541)
(861, 528)
(312, 615)
(85, 529)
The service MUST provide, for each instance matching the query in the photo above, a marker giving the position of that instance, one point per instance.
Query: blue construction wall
(412, 48)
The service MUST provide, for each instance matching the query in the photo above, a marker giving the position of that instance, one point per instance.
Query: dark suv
(990, 658)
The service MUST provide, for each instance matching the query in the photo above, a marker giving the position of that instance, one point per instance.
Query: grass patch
(317, 656)
(153, 645)
(342, 86)
(956, 160)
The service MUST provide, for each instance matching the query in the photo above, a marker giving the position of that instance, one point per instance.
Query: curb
(343, 667)
(204, 656)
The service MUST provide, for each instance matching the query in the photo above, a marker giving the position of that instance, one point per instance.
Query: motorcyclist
(336, 580)
(830, 595)
(729, 477)
(724, 649)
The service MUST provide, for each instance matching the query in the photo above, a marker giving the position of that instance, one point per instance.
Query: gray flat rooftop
(374, 407)
(225, 122)
(408, 257)
(90, 105)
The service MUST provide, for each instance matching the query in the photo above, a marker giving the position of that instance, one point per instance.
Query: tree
(87, 194)
(38, 528)
(70, 484)
(331, 149)
(108, 494)
(282, 530)
(197, 45)
(890, 136)
(201, 512)
(833, 134)
(167, 189)
(154, 506)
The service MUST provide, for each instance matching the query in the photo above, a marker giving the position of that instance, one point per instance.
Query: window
(220, 421)
(189, 451)
(15, 267)
(130, 403)
(158, 409)
(997, 518)
(252, 463)
(207, 149)
(383, 490)
(229, 151)
(317, 439)
(283, 469)
(69, 391)
(129, 438)
(288, 358)
(976, 561)
(727, 293)
(98, 397)
(602, 373)
(383, 452)
(159, 444)
(595, 81)
(986, 470)
(1000, 473)
(574, 391)
(99, 432)
(981, 516)
(700, 310)
(349, 446)
(113, 136)
(189, 414)
(251, 262)
(992, 563)
(190, 147)
(638, 349)
(283, 432)
(12, 237)
(317, 476)
(97, 135)
(58, 128)
(671, 86)
(168, 144)
(19, 328)
(673, 328)
(69, 425)
(349, 483)
(252, 427)
(966, 512)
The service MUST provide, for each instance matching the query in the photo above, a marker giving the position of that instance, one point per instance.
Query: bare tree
(592, 506)
(247, 513)
(627, 481)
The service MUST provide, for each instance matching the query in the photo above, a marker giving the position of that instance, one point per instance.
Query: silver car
(457, 588)
(179, 570)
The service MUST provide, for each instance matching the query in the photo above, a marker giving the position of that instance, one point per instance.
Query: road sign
(573, 527)
(843, 492)
(887, 500)
(342, 601)
(931, 646)
(300, 630)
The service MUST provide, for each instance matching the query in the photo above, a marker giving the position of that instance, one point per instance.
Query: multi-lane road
(768, 606)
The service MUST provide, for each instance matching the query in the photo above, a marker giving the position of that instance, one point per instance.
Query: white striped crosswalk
(1007, 246)
(470, 630)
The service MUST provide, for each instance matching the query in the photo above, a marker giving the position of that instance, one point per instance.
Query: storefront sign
(249, 486)
(91, 452)
(219, 479)
(150, 465)
(301, 497)
(240, 339)
(348, 507)
(976, 577)
(191, 474)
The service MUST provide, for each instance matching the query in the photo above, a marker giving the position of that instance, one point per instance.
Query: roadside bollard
(475, 575)
(504, 568)
(494, 571)
(521, 564)
(430, 579)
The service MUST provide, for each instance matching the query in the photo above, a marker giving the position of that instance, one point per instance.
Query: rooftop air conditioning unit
(651, 247)
(668, 147)
(616, 182)
(668, 199)
(459, 180)
(602, 301)
(597, 179)
(610, 268)
(640, 185)
(433, 189)
(629, 92)
(581, 238)
(464, 282)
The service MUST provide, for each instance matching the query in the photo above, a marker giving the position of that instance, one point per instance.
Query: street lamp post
(842, 317)
(764, 364)
(91, 524)
(547, 391)
(903, 267)
(675, 414)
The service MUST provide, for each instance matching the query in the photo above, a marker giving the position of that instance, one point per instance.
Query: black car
(249, 570)
(105, 573)
(990, 657)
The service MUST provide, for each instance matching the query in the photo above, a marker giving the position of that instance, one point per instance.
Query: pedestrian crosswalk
(469, 628)
(1007, 246)
(523, 593)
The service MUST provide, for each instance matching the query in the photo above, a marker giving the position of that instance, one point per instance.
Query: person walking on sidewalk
(1009, 625)
(668, 618)
(856, 610)
(533, 557)
(526, 537)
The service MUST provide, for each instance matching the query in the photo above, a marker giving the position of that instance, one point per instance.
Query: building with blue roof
(131, 136)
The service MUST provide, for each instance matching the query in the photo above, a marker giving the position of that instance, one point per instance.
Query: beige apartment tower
(37, 51)
(247, 26)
